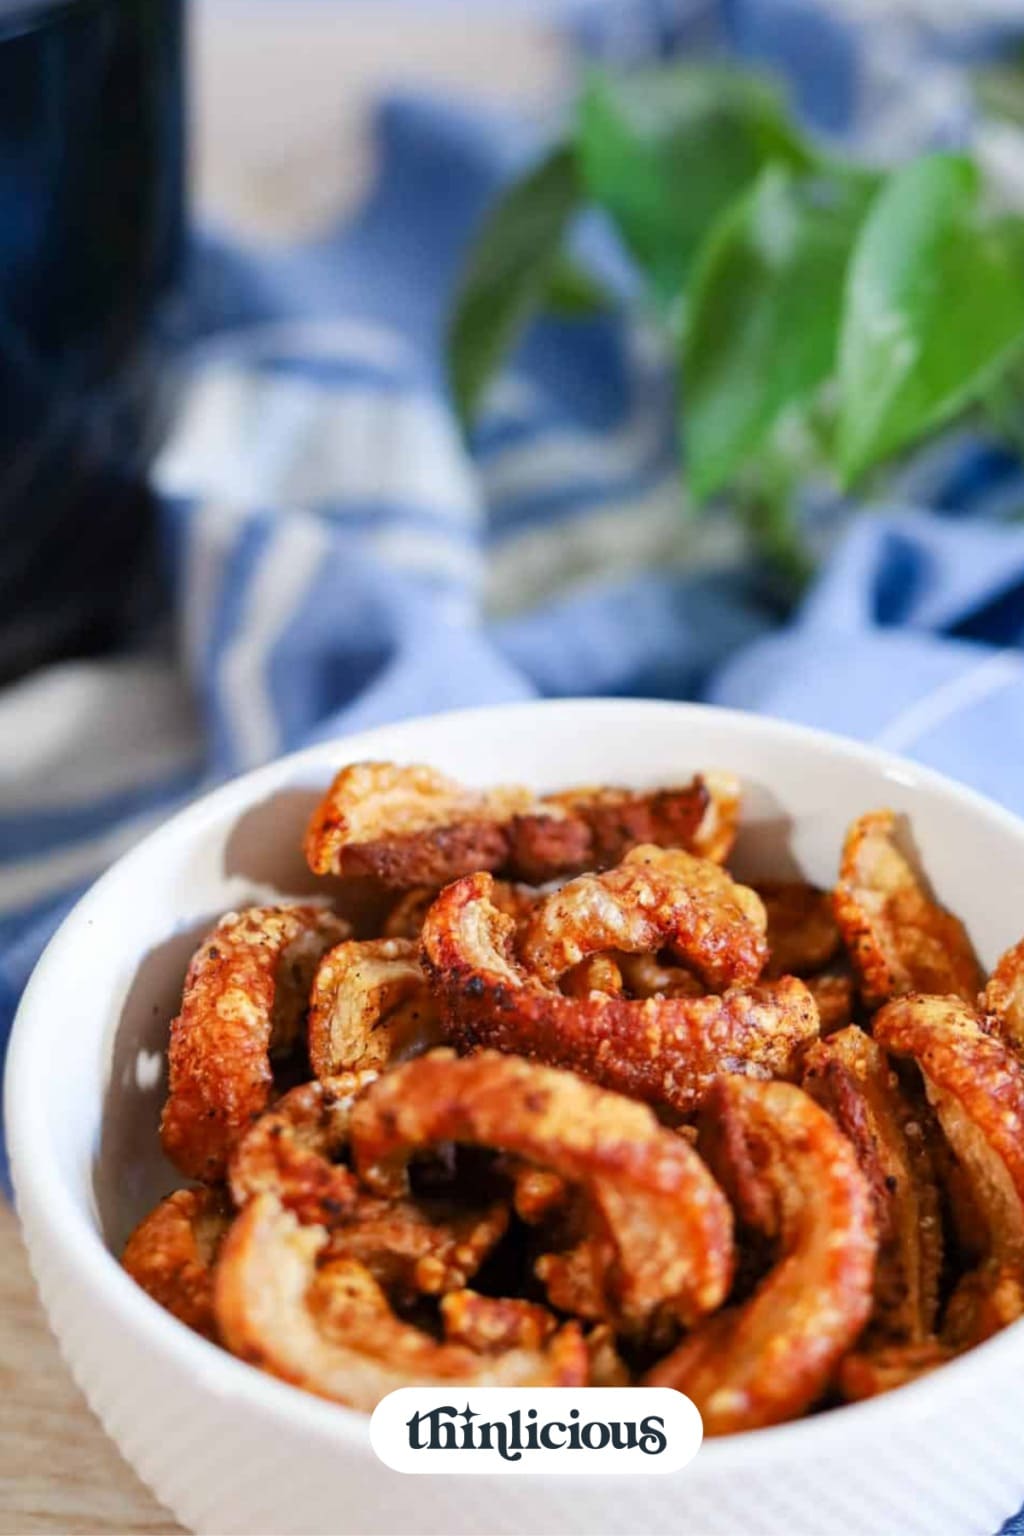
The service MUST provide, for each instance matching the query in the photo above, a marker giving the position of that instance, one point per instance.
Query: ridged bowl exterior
(230, 1450)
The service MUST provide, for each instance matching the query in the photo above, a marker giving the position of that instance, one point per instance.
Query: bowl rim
(44, 1202)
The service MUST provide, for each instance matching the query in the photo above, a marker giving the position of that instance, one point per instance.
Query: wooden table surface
(281, 90)
(58, 1471)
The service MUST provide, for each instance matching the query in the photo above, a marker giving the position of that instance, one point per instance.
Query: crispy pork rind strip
(664, 1222)
(802, 932)
(491, 1324)
(409, 825)
(331, 1329)
(245, 999)
(667, 1051)
(292, 1152)
(412, 826)
(597, 973)
(424, 1247)
(649, 976)
(850, 1076)
(172, 1251)
(607, 1367)
(833, 995)
(594, 829)
(370, 1005)
(898, 938)
(866, 1374)
(796, 1178)
(986, 1300)
(656, 898)
(1002, 1001)
(405, 920)
(976, 1085)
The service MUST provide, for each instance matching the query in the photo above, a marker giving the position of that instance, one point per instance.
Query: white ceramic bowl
(230, 1450)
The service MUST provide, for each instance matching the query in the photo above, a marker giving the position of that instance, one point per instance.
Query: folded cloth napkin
(336, 557)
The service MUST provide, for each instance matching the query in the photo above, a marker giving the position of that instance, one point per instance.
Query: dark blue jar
(92, 199)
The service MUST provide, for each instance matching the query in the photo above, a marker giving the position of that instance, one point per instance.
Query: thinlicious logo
(451, 1429)
(560, 1430)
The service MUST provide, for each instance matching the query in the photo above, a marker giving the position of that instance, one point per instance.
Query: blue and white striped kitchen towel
(336, 557)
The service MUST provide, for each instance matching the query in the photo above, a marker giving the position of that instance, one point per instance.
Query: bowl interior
(92, 1035)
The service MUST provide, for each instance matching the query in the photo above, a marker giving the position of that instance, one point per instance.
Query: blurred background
(298, 434)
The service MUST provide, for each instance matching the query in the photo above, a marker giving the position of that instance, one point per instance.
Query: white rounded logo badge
(545, 1429)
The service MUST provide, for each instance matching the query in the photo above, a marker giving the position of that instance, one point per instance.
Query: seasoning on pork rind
(653, 976)
(172, 1251)
(245, 998)
(667, 1051)
(370, 1005)
(328, 1327)
(656, 898)
(492, 1324)
(659, 1209)
(770, 1358)
(294, 1153)
(898, 938)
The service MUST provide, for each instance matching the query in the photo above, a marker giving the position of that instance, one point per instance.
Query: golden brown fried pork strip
(172, 1251)
(833, 996)
(664, 1220)
(245, 998)
(796, 1176)
(976, 1086)
(412, 826)
(664, 1050)
(850, 1076)
(581, 830)
(868, 1373)
(409, 825)
(898, 938)
(1002, 1001)
(370, 1005)
(331, 1330)
(657, 898)
(653, 976)
(802, 933)
(426, 1247)
(292, 1152)
(597, 973)
(492, 1324)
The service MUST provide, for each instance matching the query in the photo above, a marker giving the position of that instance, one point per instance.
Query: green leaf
(665, 150)
(934, 307)
(765, 307)
(573, 293)
(510, 266)
(999, 89)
